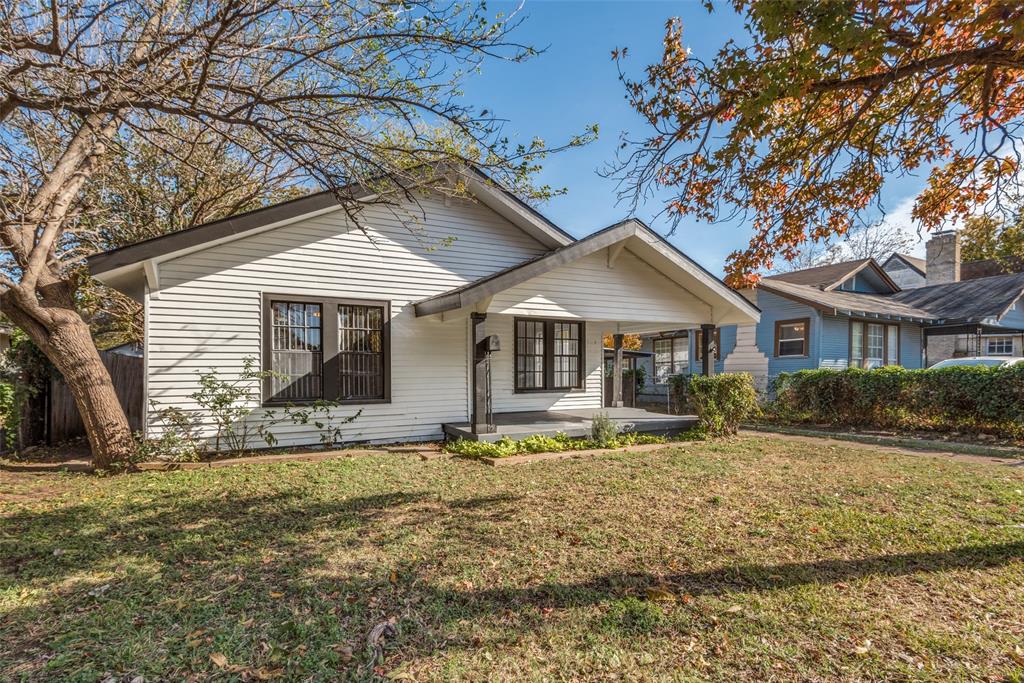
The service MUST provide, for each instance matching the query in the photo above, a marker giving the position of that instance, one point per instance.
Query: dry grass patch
(752, 558)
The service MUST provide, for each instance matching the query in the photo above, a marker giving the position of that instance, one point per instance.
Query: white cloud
(900, 217)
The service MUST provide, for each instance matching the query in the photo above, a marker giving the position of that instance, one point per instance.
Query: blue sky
(574, 83)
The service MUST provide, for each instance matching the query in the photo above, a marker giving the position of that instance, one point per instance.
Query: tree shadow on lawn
(744, 577)
(186, 551)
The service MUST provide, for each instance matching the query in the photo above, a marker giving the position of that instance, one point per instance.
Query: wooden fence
(63, 420)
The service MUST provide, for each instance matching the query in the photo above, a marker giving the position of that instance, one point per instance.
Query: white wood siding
(207, 313)
(590, 290)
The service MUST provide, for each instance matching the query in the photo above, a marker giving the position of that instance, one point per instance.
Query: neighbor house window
(999, 346)
(873, 345)
(792, 337)
(671, 357)
(320, 348)
(698, 350)
(548, 354)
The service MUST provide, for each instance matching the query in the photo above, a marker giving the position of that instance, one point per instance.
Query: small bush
(957, 398)
(506, 448)
(679, 393)
(603, 430)
(723, 401)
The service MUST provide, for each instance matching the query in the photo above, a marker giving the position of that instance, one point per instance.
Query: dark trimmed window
(792, 337)
(699, 349)
(361, 351)
(326, 348)
(297, 350)
(671, 357)
(548, 354)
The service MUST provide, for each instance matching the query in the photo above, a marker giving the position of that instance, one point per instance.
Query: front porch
(572, 422)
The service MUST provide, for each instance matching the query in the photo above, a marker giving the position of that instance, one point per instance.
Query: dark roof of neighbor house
(831, 276)
(967, 300)
(914, 262)
(822, 276)
(971, 270)
(849, 303)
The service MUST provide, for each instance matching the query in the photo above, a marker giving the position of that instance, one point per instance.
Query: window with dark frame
(671, 357)
(326, 348)
(792, 338)
(548, 354)
(566, 354)
(873, 345)
(699, 348)
(360, 352)
(297, 350)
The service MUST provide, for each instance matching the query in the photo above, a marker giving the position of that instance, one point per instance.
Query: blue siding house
(849, 314)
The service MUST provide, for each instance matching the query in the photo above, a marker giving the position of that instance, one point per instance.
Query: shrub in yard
(603, 430)
(679, 393)
(962, 397)
(723, 401)
(506, 447)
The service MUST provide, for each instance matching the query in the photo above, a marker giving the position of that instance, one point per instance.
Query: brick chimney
(942, 258)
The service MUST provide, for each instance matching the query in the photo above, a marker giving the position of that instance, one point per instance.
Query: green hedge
(722, 401)
(989, 400)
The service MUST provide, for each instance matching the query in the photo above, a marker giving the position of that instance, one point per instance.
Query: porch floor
(575, 423)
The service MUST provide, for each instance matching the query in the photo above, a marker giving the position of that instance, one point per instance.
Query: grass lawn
(757, 558)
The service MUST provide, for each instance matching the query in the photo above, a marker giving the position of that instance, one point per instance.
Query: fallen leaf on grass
(863, 649)
(276, 595)
(734, 609)
(660, 594)
(219, 660)
(264, 674)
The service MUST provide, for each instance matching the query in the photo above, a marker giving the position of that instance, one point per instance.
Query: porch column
(707, 362)
(617, 372)
(481, 421)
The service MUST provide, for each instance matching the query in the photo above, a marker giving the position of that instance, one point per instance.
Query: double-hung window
(548, 354)
(699, 344)
(792, 338)
(325, 348)
(873, 345)
(671, 357)
(999, 346)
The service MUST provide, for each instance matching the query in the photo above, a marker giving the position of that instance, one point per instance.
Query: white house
(391, 316)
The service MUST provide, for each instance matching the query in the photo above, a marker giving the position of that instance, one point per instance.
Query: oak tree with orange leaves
(797, 132)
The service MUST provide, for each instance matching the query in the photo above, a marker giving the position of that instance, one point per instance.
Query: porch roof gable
(631, 234)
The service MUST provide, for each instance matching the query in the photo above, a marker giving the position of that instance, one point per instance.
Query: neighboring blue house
(849, 314)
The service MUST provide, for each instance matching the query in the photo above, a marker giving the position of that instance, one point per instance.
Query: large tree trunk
(52, 322)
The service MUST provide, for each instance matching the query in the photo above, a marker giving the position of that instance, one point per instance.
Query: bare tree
(865, 240)
(875, 240)
(346, 92)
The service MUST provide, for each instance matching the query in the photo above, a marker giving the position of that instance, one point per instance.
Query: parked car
(988, 361)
